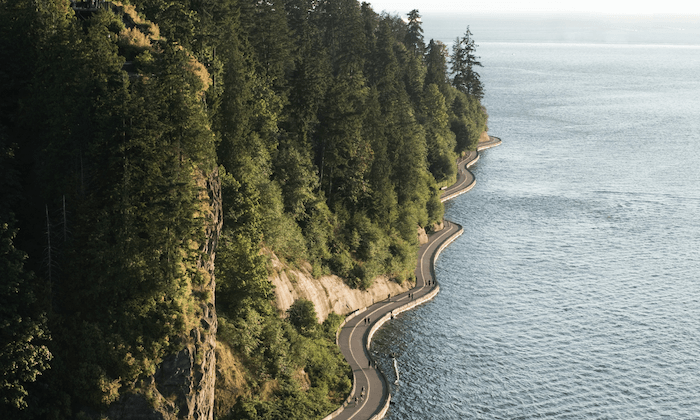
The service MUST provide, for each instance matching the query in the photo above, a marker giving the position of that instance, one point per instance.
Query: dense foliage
(331, 128)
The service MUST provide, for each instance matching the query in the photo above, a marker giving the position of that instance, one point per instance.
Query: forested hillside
(153, 153)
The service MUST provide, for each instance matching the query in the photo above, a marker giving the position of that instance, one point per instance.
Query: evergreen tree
(342, 32)
(467, 120)
(382, 203)
(412, 71)
(345, 153)
(436, 66)
(271, 38)
(176, 20)
(303, 316)
(23, 353)
(463, 60)
(441, 142)
(309, 79)
(414, 37)
(23, 331)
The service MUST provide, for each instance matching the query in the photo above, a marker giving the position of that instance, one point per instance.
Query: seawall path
(370, 396)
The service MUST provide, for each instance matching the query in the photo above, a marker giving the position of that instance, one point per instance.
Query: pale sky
(627, 7)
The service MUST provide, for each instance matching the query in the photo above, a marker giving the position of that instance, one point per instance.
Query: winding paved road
(370, 396)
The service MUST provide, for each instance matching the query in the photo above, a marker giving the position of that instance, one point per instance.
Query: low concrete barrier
(412, 304)
(386, 318)
(496, 142)
(460, 192)
(380, 415)
(473, 161)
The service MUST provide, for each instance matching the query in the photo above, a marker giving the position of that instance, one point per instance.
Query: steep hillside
(190, 188)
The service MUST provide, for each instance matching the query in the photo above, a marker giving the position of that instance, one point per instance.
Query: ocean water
(574, 292)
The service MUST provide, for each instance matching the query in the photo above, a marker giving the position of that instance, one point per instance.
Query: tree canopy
(328, 129)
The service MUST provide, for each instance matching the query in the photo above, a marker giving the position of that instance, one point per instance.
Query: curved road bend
(352, 338)
(464, 176)
(465, 179)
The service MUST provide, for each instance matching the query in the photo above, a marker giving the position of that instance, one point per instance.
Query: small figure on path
(388, 297)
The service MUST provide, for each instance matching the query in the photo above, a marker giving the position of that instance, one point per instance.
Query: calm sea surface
(574, 292)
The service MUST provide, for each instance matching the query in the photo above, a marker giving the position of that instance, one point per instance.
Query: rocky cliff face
(200, 398)
(183, 384)
(328, 293)
(331, 293)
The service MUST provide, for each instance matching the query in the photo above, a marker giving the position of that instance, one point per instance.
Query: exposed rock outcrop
(328, 293)
(422, 236)
(183, 384)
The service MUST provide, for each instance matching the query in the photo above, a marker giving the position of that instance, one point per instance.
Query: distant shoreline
(560, 28)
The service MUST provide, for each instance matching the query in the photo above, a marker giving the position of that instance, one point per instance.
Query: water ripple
(571, 295)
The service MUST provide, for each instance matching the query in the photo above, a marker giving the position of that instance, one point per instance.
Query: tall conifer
(464, 60)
